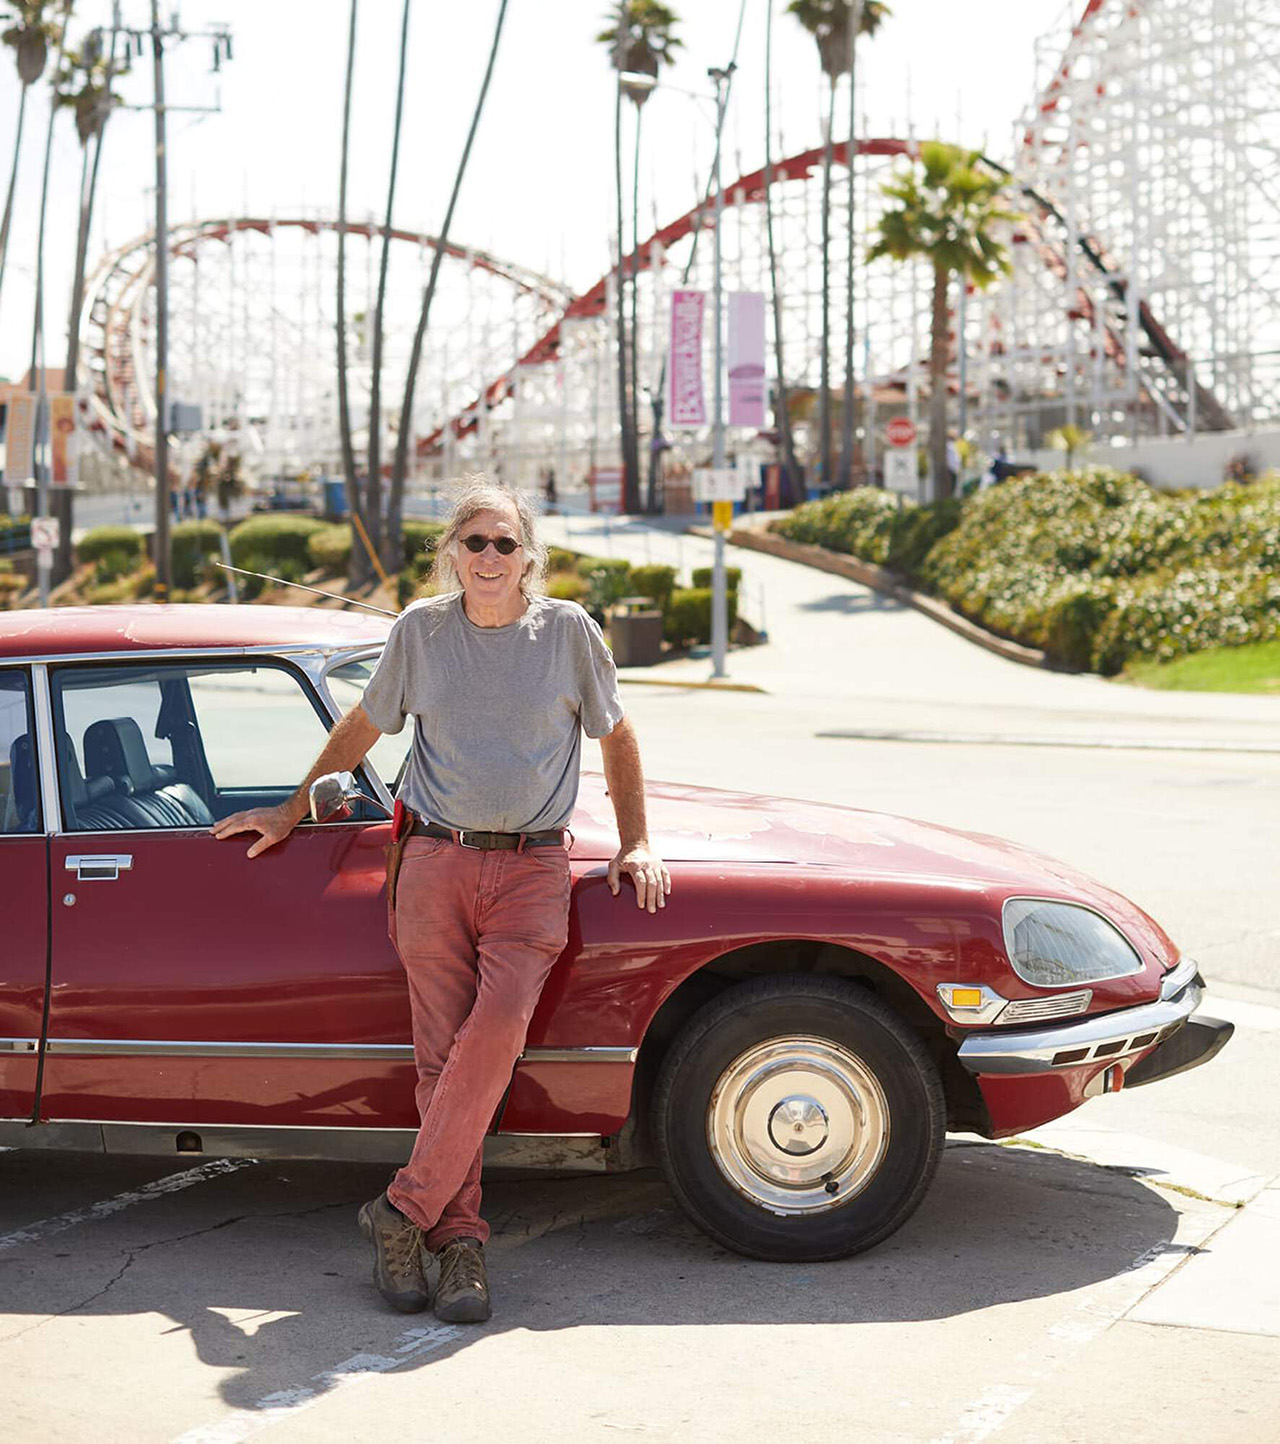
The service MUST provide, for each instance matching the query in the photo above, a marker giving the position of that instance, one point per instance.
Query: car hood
(697, 824)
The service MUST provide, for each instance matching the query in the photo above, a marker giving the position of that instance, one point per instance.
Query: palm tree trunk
(13, 181)
(782, 415)
(624, 407)
(373, 491)
(847, 420)
(401, 465)
(938, 385)
(824, 399)
(635, 306)
(359, 563)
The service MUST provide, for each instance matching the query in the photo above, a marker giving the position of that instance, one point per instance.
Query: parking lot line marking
(285, 1403)
(173, 1183)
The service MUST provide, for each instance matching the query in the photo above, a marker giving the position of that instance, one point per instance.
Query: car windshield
(387, 755)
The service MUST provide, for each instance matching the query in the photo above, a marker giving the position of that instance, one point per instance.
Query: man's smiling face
(491, 581)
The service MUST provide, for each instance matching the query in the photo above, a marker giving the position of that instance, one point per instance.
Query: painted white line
(1234, 1285)
(174, 1183)
(286, 1403)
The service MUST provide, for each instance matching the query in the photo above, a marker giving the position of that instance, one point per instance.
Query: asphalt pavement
(1115, 1273)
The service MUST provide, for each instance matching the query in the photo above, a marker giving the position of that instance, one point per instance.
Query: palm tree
(359, 563)
(640, 42)
(29, 37)
(791, 473)
(829, 22)
(373, 487)
(946, 214)
(84, 85)
(400, 467)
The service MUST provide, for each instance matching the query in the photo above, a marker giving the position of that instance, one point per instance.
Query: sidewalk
(870, 666)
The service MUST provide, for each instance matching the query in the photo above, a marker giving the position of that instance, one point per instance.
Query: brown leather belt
(490, 841)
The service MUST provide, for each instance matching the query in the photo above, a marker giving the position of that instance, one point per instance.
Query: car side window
(19, 784)
(387, 755)
(180, 745)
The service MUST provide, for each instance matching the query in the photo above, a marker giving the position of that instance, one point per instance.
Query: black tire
(824, 1058)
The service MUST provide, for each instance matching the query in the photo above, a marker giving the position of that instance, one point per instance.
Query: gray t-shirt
(498, 710)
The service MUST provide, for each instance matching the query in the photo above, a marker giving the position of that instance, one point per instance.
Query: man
(501, 682)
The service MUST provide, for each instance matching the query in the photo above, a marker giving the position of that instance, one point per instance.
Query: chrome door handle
(99, 867)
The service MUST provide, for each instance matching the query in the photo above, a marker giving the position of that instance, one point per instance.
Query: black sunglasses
(503, 545)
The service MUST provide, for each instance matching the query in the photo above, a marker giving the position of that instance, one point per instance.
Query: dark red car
(827, 993)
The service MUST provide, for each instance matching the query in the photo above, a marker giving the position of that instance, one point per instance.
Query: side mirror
(332, 795)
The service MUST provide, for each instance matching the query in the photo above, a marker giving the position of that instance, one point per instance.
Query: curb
(880, 579)
(709, 685)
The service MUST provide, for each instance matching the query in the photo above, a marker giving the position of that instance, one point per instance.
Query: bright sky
(539, 188)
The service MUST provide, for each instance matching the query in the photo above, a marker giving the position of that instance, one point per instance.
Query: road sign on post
(901, 474)
(900, 431)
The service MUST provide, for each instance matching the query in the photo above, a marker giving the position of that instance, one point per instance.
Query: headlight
(1054, 944)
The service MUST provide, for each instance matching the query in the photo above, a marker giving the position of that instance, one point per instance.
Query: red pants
(477, 933)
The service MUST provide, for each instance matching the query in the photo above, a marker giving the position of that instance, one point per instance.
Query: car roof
(73, 631)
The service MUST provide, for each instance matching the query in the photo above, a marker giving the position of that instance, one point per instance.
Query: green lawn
(1252, 668)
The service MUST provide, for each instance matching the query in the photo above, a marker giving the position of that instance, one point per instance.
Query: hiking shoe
(462, 1292)
(397, 1255)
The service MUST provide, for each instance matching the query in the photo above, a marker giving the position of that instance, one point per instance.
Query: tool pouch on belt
(401, 831)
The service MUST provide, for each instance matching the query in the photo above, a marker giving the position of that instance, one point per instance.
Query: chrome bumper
(1102, 1039)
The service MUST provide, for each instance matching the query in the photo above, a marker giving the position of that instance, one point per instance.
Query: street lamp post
(162, 559)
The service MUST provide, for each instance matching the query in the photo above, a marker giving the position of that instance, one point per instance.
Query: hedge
(656, 582)
(330, 548)
(732, 577)
(270, 541)
(419, 539)
(1093, 566)
(192, 543)
(687, 619)
(103, 539)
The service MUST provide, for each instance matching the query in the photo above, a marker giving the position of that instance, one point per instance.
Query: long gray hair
(476, 494)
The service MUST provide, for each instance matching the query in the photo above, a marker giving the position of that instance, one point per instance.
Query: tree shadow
(851, 603)
(264, 1268)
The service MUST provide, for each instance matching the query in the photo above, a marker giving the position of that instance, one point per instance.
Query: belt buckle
(470, 846)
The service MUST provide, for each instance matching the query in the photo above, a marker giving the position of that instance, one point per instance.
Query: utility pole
(845, 479)
(220, 35)
(719, 602)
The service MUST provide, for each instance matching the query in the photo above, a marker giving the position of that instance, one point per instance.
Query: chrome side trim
(579, 1055)
(175, 1048)
(1105, 1037)
(373, 1052)
(19, 1045)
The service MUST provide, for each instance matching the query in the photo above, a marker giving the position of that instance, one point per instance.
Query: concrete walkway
(870, 666)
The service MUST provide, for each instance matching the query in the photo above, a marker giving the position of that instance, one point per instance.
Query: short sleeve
(384, 696)
(597, 678)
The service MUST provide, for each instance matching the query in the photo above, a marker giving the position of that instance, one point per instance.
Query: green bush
(732, 577)
(561, 560)
(330, 549)
(419, 539)
(103, 539)
(272, 541)
(656, 582)
(687, 619)
(110, 566)
(608, 581)
(587, 565)
(191, 544)
(567, 587)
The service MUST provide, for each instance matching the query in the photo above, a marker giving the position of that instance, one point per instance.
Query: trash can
(635, 632)
(335, 498)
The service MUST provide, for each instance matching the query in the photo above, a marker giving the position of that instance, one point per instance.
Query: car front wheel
(798, 1118)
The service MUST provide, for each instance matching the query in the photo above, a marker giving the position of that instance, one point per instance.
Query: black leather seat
(22, 782)
(86, 804)
(145, 795)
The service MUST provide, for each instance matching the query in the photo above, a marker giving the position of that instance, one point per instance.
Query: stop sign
(901, 431)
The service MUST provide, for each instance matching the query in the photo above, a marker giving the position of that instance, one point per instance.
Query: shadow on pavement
(849, 604)
(265, 1270)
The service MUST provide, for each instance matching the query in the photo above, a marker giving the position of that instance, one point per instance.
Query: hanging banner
(20, 431)
(688, 405)
(63, 450)
(746, 359)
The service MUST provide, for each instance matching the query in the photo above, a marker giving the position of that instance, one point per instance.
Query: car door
(24, 867)
(190, 983)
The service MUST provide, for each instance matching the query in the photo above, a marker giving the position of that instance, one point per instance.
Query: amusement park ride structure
(1144, 298)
